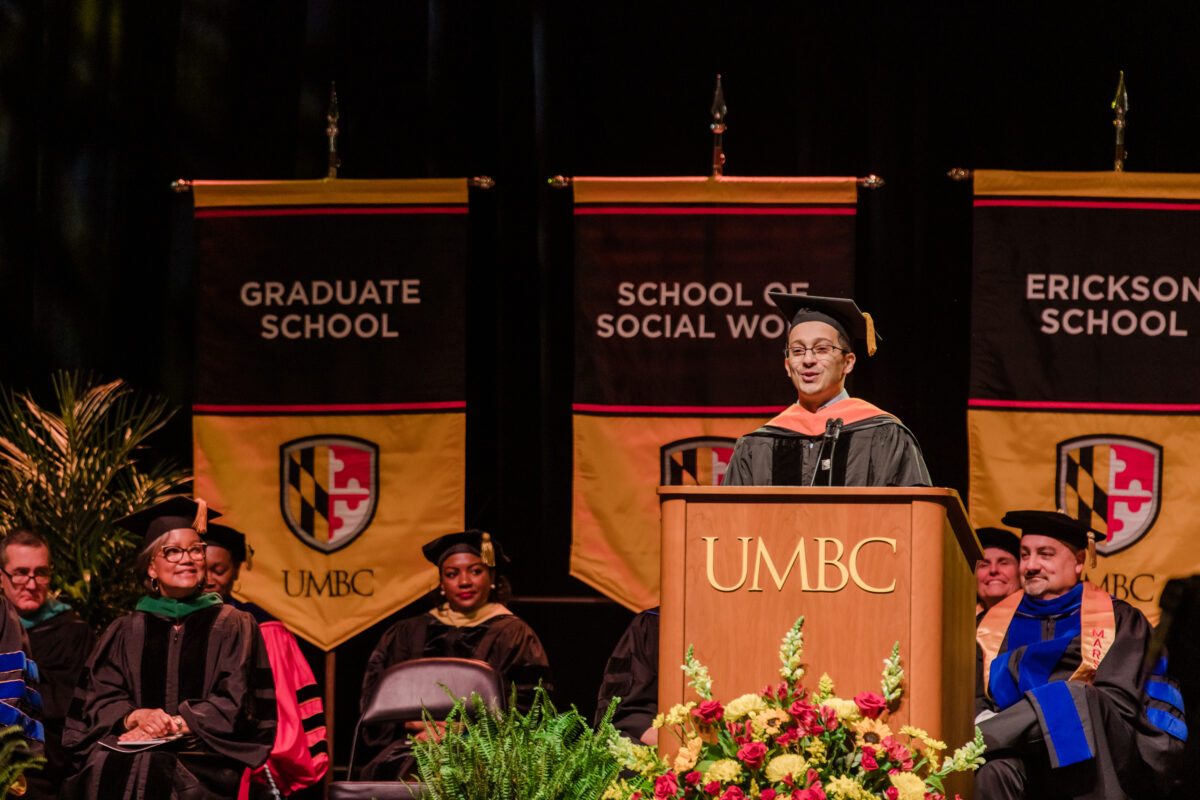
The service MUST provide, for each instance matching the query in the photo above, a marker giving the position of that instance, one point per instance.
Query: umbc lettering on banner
(1096, 320)
(346, 294)
(1127, 587)
(798, 558)
(334, 583)
(687, 325)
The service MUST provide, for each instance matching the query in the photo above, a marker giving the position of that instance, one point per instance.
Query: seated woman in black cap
(471, 622)
(176, 700)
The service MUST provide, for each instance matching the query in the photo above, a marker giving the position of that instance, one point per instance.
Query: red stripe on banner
(313, 211)
(584, 211)
(605, 409)
(1139, 205)
(1051, 405)
(203, 408)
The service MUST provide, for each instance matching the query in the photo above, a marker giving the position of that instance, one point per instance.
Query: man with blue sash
(1065, 702)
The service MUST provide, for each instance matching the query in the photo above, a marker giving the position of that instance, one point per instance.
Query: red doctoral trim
(852, 409)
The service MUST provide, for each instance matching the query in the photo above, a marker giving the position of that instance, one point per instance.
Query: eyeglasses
(818, 350)
(174, 554)
(24, 576)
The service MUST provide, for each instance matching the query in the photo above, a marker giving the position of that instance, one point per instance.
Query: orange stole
(812, 423)
(1097, 626)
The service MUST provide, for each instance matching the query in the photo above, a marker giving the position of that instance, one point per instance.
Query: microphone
(829, 436)
(833, 434)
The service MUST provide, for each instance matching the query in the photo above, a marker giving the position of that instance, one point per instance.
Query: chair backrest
(406, 688)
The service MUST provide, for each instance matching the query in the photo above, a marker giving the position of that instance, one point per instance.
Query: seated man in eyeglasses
(826, 438)
(59, 641)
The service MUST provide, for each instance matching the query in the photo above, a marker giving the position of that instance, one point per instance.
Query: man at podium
(1067, 703)
(826, 438)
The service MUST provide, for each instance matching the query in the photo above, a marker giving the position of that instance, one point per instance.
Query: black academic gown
(1053, 737)
(872, 448)
(212, 670)
(632, 675)
(505, 642)
(60, 645)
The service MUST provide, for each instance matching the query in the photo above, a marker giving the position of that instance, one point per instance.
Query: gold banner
(1052, 460)
(616, 540)
(327, 191)
(330, 576)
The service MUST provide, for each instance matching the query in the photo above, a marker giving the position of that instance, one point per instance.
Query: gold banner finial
(717, 126)
(1120, 106)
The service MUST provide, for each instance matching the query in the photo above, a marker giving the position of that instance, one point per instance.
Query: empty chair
(403, 692)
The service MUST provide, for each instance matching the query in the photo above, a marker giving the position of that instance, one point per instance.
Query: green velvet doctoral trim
(170, 608)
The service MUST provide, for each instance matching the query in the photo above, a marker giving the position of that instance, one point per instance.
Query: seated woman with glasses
(177, 699)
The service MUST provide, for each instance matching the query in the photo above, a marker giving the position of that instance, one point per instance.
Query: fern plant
(70, 472)
(541, 754)
(15, 758)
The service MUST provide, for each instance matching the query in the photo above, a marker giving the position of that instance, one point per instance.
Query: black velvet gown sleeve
(632, 675)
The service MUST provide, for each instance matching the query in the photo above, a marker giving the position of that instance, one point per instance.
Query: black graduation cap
(840, 312)
(474, 541)
(1056, 525)
(231, 539)
(1001, 538)
(168, 515)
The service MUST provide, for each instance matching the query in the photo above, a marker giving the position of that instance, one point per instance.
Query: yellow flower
(870, 731)
(779, 767)
(925, 738)
(845, 788)
(825, 686)
(847, 710)
(911, 786)
(746, 705)
(614, 791)
(686, 758)
(679, 713)
(658, 721)
(769, 722)
(816, 751)
(723, 771)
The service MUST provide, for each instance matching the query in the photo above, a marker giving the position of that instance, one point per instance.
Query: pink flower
(811, 793)
(665, 786)
(733, 793)
(892, 793)
(709, 711)
(870, 704)
(767, 794)
(829, 720)
(712, 788)
(790, 735)
(752, 754)
(692, 778)
(868, 758)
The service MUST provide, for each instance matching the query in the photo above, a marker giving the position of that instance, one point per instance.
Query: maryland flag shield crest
(1112, 483)
(697, 461)
(328, 488)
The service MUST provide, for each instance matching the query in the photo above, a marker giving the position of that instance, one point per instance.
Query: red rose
(709, 711)
(665, 786)
(712, 788)
(733, 793)
(752, 754)
(868, 758)
(892, 793)
(812, 793)
(692, 778)
(767, 794)
(870, 704)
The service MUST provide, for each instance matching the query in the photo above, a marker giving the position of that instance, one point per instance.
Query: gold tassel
(1092, 548)
(871, 347)
(200, 523)
(486, 552)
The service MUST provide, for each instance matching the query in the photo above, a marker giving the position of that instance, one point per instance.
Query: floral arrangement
(787, 743)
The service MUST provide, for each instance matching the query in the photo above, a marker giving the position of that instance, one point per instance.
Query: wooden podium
(866, 567)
